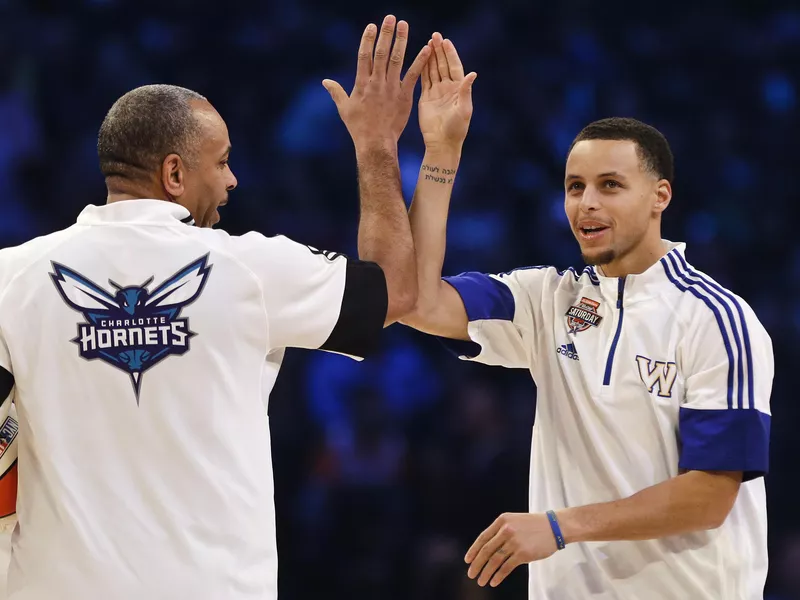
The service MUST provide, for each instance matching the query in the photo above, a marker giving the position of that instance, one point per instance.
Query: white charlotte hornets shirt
(142, 352)
(637, 378)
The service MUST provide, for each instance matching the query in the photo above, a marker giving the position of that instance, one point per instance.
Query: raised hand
(445, 107)
(377, 110)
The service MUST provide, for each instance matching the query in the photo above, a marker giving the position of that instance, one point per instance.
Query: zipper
(613, 349)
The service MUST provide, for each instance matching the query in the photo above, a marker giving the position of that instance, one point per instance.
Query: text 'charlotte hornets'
(134, 328)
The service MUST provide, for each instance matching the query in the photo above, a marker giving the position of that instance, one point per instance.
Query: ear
(663, 196)
(173, 173)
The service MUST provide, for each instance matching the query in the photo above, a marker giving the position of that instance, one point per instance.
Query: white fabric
(676, 373)
(167, 493)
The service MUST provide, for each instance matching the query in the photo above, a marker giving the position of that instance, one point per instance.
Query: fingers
(398, 52)
(426, 76)
(486, 535)
(364, 68)
(336, 91)
(505, 570)
(455, 68)
(465, 90)
(441, 59)
(487, 553)
(499, 558)
(492, 538)
(417, 68)
(433, 67)
(383, 47)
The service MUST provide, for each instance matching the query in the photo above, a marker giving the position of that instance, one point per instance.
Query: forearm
(694, 501)
(384, 234)
(428, 216)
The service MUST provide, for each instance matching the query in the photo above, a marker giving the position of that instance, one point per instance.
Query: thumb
(465, 90)
(335, 90)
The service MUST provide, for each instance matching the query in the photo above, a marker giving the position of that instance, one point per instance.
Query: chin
(597, 257)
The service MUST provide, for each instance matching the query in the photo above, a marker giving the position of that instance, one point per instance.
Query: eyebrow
(600, 176)
(227, 151)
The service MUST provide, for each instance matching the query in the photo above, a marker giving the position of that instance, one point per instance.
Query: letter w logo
(657, 373)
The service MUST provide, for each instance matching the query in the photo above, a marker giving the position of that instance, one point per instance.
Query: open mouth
(590, 232)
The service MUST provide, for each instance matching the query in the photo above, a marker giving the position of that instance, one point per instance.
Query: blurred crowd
(387, 470)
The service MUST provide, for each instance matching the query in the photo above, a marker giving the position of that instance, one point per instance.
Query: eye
(574, 186)
(612, 184)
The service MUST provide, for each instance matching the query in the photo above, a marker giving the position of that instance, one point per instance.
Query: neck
(120, 189)
(638, 260)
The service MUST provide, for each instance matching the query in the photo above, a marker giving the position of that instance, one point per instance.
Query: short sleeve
(500, 310)
(724, 422)
(316, 299)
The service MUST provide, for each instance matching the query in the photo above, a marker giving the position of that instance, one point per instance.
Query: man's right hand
(445, 107)
(377, 110)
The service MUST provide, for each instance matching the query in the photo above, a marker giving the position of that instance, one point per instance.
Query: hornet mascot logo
(132, 328)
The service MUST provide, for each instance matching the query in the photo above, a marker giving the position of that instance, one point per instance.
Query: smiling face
(614, 205)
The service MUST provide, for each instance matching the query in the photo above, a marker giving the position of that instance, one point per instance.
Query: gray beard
(599, 259)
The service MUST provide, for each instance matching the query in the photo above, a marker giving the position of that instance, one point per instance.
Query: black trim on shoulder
(365, 303)
(188, 220)
(6, 384)
(329, 254)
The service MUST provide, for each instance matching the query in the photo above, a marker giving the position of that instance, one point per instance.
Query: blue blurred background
(387, 470)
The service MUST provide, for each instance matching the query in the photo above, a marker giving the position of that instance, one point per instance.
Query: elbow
(716, 517)
(717, 511)
(713, 521)
(712, 497)
(401, 303)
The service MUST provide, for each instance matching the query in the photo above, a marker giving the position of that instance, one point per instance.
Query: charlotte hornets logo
(132, 328)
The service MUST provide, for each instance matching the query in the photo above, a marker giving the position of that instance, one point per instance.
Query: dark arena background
(387, 470)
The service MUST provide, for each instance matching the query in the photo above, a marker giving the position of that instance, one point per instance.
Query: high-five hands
(377, 110)
(445, 107)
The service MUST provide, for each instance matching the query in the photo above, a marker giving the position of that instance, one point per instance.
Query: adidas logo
(569, 351)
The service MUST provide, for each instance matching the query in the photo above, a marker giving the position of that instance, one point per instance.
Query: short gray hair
(146, 125)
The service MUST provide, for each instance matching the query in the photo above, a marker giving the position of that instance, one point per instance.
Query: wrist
(556, 529)
(375, 146)
(570, 526)
(448, 152)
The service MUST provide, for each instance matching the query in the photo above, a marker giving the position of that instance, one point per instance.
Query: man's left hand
(513, 539)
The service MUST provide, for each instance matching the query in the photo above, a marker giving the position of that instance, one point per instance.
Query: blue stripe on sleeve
(718, 316)
(734, 327)
(725, 440)
(484, 297)
(746, 334)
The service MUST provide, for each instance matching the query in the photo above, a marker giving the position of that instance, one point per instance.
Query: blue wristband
(551, 516)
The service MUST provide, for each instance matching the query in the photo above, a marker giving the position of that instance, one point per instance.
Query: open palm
(445, 107)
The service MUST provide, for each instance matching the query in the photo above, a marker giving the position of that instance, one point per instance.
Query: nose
(232, 182)
(590, 199)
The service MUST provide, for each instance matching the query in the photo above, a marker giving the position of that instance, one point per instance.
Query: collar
(643, 285)
(136, 211)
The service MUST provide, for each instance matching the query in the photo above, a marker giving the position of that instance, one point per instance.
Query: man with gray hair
(157, 121)
(140, 351)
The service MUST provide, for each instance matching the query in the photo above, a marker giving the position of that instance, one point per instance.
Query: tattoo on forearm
(442, 175)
